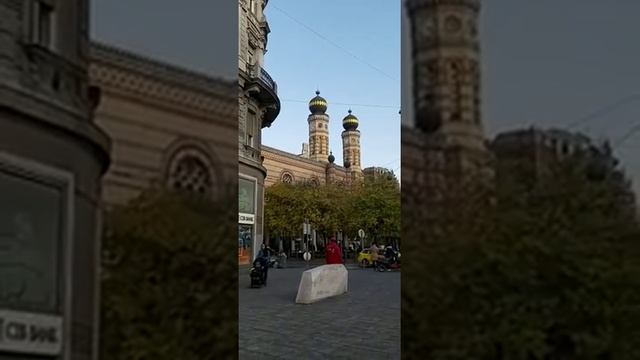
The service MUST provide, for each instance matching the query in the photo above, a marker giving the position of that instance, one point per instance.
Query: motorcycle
(388, 263)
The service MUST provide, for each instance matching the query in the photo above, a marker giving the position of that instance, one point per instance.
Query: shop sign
(30, 333)
(246, 219)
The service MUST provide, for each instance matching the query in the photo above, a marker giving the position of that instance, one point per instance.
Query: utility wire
(389, 163)
(332, 43)
(603, 110)
(338, 103)
(626, 136)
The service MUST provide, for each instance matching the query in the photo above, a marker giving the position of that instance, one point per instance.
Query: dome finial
(318, 105)
(350, 122)
(349, 111)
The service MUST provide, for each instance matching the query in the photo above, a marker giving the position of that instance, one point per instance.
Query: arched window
(191, 174)
(287, 178)
(190, 170)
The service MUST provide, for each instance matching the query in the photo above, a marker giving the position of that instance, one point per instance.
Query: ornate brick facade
(165, 122)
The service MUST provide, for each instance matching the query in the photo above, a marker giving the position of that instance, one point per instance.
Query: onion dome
(350, 122)
(318, 105)
(331, 158)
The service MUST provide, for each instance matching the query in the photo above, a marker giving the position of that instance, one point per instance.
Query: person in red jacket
(333, 254)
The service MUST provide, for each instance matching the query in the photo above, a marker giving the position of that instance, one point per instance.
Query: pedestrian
(264, 256)
(374, 253)
(333, 254)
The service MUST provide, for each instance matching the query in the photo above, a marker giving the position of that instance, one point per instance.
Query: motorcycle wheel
(381, 268)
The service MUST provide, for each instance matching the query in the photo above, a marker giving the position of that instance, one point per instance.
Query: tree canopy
(167, 287)
(373, 205)
(549, 270)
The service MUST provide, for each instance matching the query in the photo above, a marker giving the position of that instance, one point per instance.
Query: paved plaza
(362, 324)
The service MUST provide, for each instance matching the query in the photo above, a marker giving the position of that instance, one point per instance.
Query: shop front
(247, 199)
(35, 242)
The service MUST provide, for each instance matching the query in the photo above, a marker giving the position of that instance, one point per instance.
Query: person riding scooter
(264, 256)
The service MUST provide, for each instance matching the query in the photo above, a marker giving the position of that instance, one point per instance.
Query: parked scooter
(258, 274)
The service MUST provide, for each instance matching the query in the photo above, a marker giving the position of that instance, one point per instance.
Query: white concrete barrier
(322, 282)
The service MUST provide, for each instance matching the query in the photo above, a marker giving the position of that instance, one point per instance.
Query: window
(246, 196)
(42, 27)
(190, 173)
(34, 220)
(251, 56)
(250, 140)
(287, 178)
(319, 126)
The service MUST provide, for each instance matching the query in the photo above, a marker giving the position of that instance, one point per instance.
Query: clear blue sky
(301, 61)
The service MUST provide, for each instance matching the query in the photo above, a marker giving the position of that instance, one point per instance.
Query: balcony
(252, 153)
(262, 87)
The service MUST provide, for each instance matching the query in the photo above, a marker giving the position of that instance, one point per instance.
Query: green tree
(169, 279)
(373, 205)
(550, 271)
(376, 207)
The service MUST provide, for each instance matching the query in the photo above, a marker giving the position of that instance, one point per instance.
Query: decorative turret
(351, 142)
(318, 105)
(318, 129)
(447, 60)
(350, 122)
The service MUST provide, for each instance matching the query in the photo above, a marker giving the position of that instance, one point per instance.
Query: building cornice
(166, 84)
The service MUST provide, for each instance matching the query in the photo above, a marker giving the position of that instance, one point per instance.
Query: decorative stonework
(123, 72)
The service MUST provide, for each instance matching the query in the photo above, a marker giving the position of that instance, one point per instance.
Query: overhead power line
(634, 130)
(346, 104)
(603, 111)
(273, 6)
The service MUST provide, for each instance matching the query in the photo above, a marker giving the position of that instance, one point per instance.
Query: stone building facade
(259, 106)
(526, 155)
(170, 127)
(52, 157)
(446, 140)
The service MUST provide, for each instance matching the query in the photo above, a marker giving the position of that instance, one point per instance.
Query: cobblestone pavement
(362, 324)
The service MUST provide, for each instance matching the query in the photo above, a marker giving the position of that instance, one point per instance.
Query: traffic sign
(306, 256)
(361, 233)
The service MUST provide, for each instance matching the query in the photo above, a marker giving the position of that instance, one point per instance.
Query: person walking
(333, 254)
(374, 253)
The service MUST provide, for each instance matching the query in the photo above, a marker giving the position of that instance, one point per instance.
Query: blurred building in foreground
(170, 127)
(526, 155)
(52, 157)
(444, 145)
